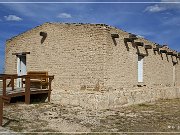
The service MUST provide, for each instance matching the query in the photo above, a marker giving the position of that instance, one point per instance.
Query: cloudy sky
(155, 20)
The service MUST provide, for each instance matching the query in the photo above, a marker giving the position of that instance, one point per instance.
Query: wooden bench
(39, 79)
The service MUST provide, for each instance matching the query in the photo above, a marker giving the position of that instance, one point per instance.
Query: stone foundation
(113, 99)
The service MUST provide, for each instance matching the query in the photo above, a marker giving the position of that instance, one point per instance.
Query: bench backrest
(39, 73)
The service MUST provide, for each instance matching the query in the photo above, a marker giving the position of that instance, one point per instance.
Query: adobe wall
(74, 53)
(178, 74)
(122, 64)
(91, 70)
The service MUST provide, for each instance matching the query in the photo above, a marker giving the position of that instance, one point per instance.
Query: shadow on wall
(162, 50)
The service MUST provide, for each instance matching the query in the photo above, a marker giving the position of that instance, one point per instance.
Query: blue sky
(158, 22)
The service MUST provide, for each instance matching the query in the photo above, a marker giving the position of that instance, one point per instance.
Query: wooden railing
(5, 97)
(28, 85)
(4, 77)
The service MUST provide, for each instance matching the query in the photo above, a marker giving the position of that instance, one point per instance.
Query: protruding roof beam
(178, 56)
(139, 43)
(43, 34)
(148, 46)
(169, 53)
(157, 47)
(114, 35)
(131, 38)
(163, 51)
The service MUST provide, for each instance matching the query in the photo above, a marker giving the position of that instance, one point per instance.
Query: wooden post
(12, 82)
(49, 92)
(3, 99)
(27, 90)
(1, 110)
(4, 85)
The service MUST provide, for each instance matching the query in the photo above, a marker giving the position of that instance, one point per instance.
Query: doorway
(140, 68)
(21, 68)
(174, 74)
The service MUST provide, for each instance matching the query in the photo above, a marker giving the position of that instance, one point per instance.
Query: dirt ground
(159, 116)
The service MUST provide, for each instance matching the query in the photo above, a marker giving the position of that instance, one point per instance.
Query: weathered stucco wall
(122, 64)
(84, 58)
(178, 74)
(73, 53)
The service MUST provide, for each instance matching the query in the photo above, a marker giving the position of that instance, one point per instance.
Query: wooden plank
(6, 99)
(12, 83)
(169, 53)
(133, 36)
(139, 43)
(16, 94)
(2, 100)
(128, 40)
(39, 92)
(40, 77)
(49, 93)
(27, 90)
(163, 51)
(4, 86)
(148, 46)
(156, 49)
(114, 35)
(21, 53)
(1, 110)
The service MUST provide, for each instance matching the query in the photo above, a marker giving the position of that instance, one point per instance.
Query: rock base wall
(113, 99)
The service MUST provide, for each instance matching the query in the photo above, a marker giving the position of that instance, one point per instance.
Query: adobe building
(96, 65)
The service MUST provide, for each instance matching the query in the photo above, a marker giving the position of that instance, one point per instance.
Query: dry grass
(160, 116)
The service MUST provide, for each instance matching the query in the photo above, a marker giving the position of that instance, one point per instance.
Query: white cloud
(163, 6)
(140, 36)
(64, 15)
(155, 8)
(170, 0)
(143, 33)
(12, 18)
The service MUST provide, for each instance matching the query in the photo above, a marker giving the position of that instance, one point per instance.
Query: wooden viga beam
(148, 46)
(128, 40)
(43, 34)
(170, 53)
(163, 51)
(131, 38)
(157, 47)
(139, 43)
(175, 54)
(179, 54)
(114, 35)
